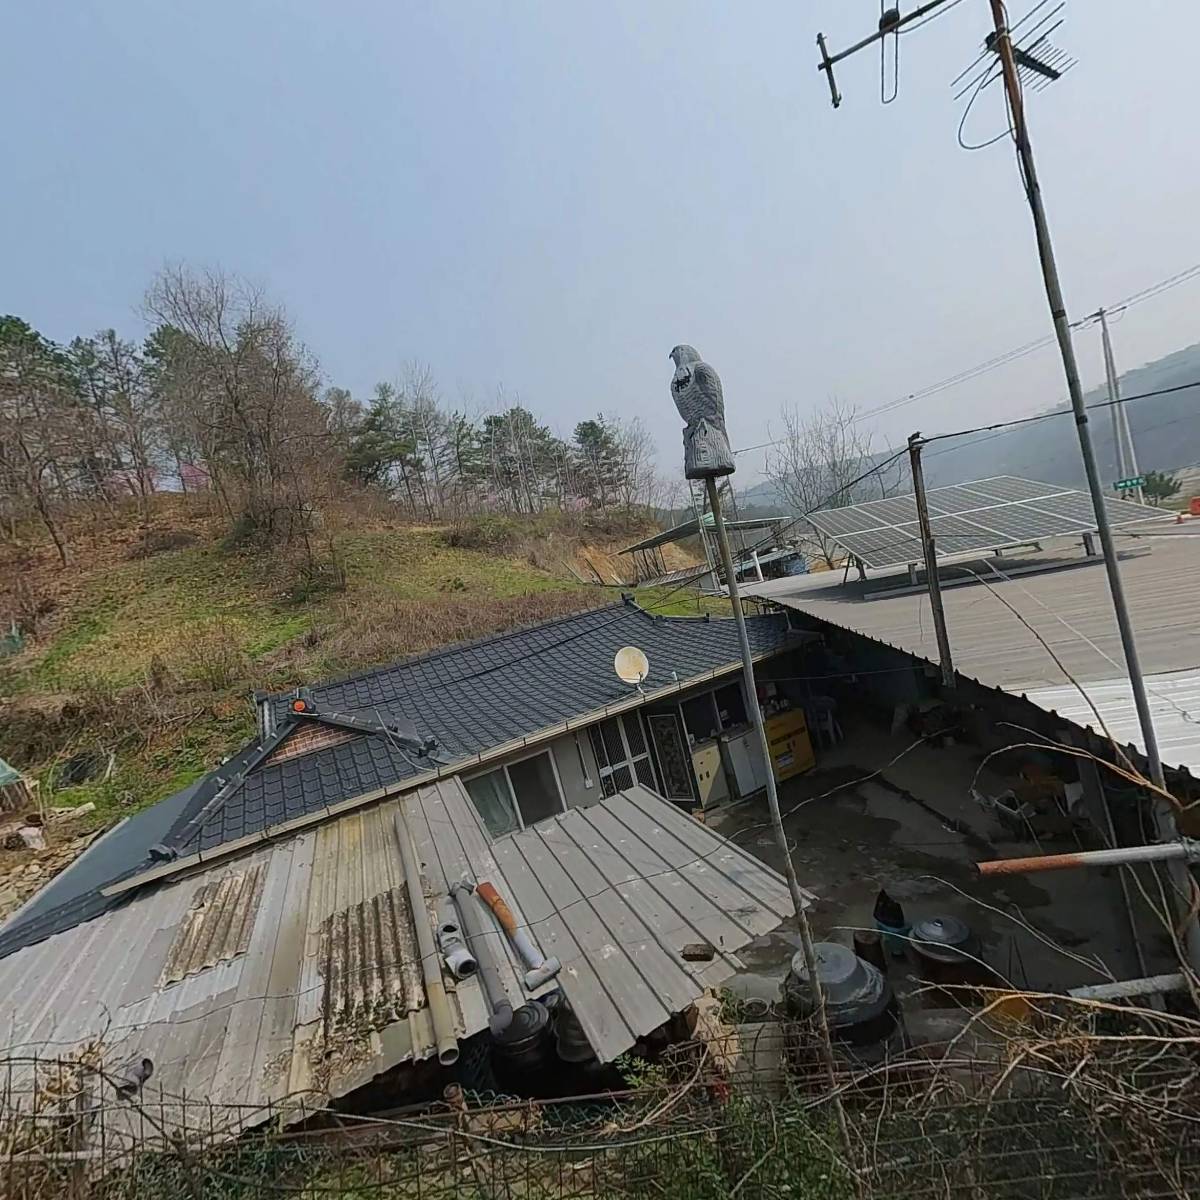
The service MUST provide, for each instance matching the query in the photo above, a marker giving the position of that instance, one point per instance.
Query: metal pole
(1127, 456)
(1118, 440)
(932, 582)
(1183, 850)
(698, 509)
(1164, 813)
(806, 941)
(1129, 989)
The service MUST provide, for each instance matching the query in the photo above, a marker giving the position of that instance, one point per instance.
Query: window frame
(604, 772)
(512, 792)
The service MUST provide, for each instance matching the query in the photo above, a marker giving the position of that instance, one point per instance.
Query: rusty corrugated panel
(217, 926)
(365, 953)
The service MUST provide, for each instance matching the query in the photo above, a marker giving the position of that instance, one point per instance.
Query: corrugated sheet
(218, 924)
(1174, 708)
(323, 991)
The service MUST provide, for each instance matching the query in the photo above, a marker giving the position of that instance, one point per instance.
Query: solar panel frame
(985, 514)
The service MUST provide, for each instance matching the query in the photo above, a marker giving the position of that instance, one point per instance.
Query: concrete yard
(913, 829)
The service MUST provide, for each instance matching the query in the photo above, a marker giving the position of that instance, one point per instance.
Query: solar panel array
(988, 514)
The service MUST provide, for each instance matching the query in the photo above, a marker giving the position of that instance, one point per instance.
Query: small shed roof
(690, 528)
(293, 971)
(1007, 630)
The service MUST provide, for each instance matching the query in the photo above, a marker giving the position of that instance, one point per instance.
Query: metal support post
(932, 582)
(756, 718)
(1164, 814)
(1127, 462)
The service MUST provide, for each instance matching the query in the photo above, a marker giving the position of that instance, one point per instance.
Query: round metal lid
(944, 938)
(854, 990)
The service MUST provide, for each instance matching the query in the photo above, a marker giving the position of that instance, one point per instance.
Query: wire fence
(1088, 1101)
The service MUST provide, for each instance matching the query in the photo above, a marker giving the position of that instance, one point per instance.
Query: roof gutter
(404, 786)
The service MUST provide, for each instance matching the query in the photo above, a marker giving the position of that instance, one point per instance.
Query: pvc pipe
(1126, 989)
(531, 956)
(459, 960)
(477, 935)
(431, 961)
(1119, 856)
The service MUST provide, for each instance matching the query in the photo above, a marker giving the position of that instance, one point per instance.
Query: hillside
(136, 676)
(1166, 432)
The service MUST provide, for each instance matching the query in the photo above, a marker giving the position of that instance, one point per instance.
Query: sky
(549, 196)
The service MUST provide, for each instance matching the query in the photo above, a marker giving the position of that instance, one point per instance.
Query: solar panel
(987, 514)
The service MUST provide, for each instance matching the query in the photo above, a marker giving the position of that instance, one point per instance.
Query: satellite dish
(631, 665)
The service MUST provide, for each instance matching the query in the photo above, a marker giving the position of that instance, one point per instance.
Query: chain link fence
(1064, 1108)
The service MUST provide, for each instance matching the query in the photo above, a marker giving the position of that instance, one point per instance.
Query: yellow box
(790, 745)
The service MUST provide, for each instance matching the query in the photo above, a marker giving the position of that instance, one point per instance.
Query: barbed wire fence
(1036, 1096)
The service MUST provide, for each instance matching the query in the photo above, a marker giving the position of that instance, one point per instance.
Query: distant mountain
(1166, 435)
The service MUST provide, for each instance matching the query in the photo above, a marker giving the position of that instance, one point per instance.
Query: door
(622, 755)
(672, 753)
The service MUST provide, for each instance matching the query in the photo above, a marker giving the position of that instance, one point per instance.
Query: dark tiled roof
(470, 697)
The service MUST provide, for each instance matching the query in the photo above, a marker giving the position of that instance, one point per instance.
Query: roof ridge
(470, 644)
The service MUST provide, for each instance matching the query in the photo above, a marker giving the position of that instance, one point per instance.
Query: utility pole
(1164, 811)
(932, 581)
(1122, 435)
(1000, 43)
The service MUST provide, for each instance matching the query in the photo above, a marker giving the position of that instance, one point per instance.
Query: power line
(1002, 360)
(1062, 412)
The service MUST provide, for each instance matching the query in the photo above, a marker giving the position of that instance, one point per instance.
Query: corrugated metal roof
(1174, 708)
(1068, 606)
(321, 990)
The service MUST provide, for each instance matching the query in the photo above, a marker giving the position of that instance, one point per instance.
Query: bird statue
(696, 390)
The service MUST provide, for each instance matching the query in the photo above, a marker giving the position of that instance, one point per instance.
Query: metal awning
(691, 528)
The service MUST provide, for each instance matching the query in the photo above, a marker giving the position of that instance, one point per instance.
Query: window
(700, 717)
(622, 755)
(520, 794)
(730, 707)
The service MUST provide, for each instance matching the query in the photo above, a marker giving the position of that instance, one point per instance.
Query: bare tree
(246, 392)
(820, 460)
(44, 430)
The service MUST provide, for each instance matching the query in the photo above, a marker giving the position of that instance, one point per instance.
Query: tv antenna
(1024, 52)
(631, 666)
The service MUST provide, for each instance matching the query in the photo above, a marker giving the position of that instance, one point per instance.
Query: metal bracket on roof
(303, 709)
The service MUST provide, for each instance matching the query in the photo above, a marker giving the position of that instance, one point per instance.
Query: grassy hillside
(145, 650)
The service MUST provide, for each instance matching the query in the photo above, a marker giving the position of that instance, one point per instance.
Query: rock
(32, 837)
(69, 814)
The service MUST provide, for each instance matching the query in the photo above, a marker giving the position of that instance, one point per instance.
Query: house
(254, 935)
(534, 721)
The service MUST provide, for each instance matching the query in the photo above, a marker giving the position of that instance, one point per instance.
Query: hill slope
(143, 655)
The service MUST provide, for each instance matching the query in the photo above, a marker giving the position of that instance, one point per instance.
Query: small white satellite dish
(631, 665)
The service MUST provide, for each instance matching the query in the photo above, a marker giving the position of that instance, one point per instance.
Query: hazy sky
(551, 195)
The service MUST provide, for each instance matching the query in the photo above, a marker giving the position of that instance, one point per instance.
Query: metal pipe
(461, 963)
(444, 1032)
(477, 939)
(1183, 850)
(540, 969)
(1127, 989)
